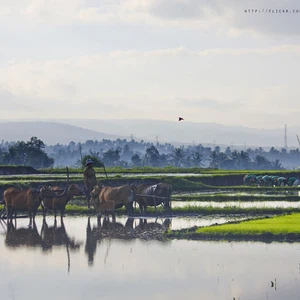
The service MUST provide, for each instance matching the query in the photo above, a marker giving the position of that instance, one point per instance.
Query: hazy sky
(205, 60)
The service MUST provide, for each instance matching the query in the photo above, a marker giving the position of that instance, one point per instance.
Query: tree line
(131, 153)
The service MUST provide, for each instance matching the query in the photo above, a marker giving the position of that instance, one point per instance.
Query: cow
(59, 202)
(121, 195)
(25, 200)
(105, 207)
(153, 195)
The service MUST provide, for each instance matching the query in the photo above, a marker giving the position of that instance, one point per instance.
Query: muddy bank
(266, 237)
(16, 170)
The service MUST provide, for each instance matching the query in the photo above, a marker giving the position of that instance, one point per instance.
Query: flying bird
(181, 119)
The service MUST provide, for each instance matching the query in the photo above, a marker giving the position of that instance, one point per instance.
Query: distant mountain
(49, 132)
(189, 132)
(65, 130)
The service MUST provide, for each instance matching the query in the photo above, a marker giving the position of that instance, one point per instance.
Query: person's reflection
(22, 237)
(92, 238)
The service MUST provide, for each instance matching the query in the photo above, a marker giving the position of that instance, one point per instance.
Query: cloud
(208, 103)
(156, 84)
(20, 106)
(9, 102)
(223, 16)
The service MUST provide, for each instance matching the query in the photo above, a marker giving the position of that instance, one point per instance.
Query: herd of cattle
(104, 199)
(269, 180)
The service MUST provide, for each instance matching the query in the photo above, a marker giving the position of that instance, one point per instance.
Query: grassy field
(189, 210)
(170, 169)
(276, 225)
(278, 228)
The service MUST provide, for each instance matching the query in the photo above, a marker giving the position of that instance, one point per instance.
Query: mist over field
(64, 131)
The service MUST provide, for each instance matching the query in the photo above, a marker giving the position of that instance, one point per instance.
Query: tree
(29, 153)
(214, 160)
(261, 163)
(136, 160)
(96, 161)
(152, 157)
(197, 159)
(178, 157)
(111, 157)
(276, 165)
(126, 152)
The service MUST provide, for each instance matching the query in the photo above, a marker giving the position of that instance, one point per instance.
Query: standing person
(90, 179)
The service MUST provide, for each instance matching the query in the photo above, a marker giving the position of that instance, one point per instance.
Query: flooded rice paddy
(87, 260)
(258, 204)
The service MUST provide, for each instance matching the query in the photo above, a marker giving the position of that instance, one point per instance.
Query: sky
(208, 61)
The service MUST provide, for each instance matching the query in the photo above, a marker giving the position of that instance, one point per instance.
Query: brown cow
(25, 200)
(60, 202)
(121, 195)
(153, 195)
(106, 207)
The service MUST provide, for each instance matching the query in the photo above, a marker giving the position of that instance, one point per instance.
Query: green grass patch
(276, 225)
(81, 208)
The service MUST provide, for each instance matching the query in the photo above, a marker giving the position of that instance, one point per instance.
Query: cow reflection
(58, 237)
(22, 237)
(151, 230)
(114, 230)
(105, 229)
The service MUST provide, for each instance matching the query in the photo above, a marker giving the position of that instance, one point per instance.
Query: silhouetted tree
(111, 157)
(152, 157)
(136, 160)
(178, 157)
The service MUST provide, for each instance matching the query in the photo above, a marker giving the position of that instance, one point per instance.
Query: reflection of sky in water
(137, 269)
(283, 204)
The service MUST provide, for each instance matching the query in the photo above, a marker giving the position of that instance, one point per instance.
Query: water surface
(87, 260)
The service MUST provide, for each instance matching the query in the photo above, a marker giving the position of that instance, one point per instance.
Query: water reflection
(49, 237)
(22, 237)
(258, 204)
(106, 230)
(134, 268)
(58, 237)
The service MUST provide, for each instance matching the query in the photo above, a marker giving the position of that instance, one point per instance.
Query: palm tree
(276, 165)
(178, 157)
(214, 160)
(197, 159)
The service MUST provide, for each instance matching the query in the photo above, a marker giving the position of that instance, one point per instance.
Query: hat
(88, 161)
